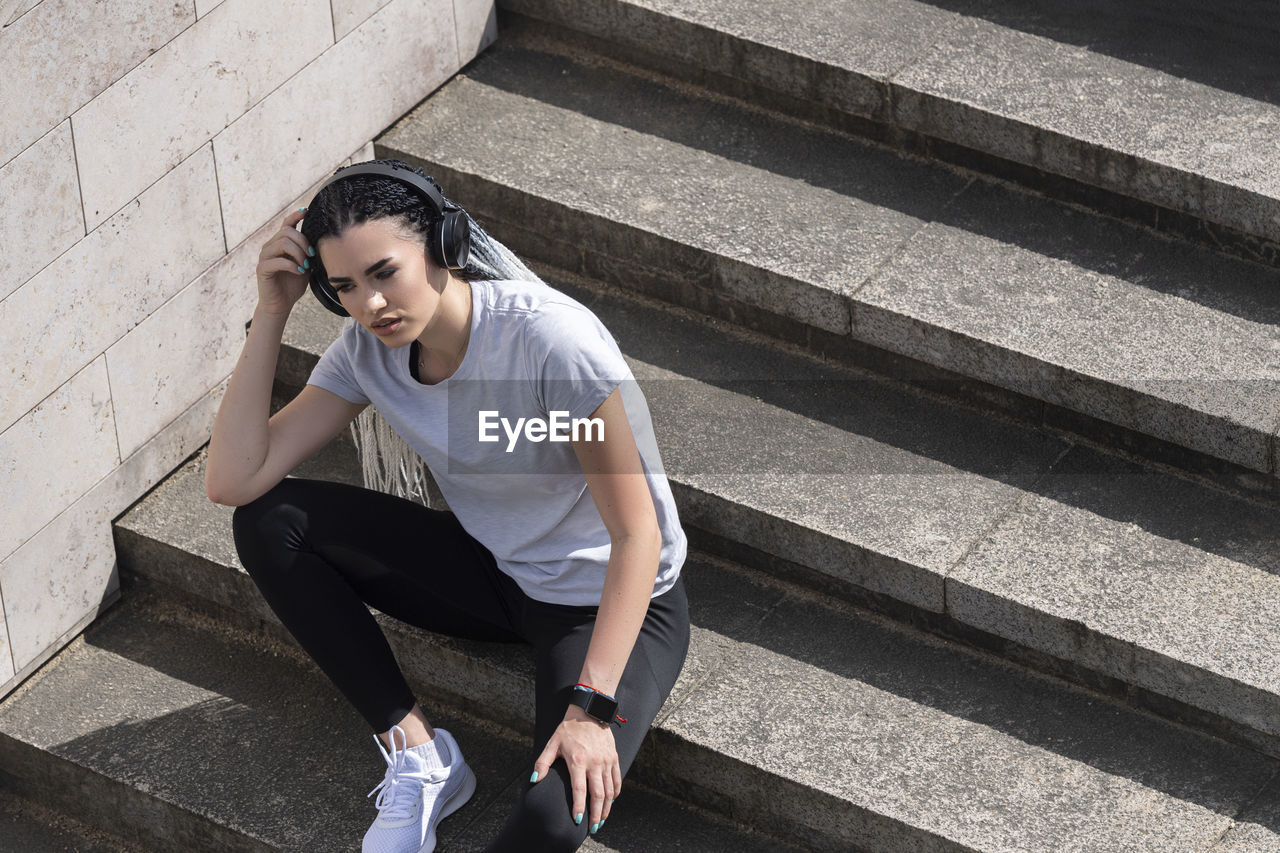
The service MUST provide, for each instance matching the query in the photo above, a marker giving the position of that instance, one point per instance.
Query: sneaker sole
(451, 805)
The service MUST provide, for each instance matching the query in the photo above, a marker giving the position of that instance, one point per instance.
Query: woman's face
(387, 283)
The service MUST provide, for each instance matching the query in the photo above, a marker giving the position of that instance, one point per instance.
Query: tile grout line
(115, 421)
(8, 638)
(1000, 517)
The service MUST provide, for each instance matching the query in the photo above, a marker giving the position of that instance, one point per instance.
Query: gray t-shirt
(537, 354)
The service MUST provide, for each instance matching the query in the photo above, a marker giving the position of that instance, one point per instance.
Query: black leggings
(320, 551)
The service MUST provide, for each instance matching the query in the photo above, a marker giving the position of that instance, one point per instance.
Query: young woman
(563, 537)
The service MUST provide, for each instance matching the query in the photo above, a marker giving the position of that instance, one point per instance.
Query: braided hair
(387, 461)
(365, 197)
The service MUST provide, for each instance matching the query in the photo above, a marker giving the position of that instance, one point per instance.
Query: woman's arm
(621, 494)
(249, 452)
(618, 486)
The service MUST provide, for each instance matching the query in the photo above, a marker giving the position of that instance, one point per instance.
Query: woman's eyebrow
(370, 270)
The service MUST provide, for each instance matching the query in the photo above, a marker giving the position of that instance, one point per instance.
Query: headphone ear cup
(324, 292)
(451, 239)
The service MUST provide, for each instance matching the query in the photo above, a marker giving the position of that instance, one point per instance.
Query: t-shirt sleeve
(580, 364)
(333, 372)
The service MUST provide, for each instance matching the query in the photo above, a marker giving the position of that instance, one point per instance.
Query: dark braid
(366, 197)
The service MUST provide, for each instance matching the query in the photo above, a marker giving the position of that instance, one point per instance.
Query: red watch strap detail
(593, 690)
(588, 688)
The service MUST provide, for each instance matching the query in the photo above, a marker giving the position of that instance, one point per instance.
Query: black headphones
(449, 241)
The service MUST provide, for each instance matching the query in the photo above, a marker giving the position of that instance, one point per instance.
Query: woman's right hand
(280, 284)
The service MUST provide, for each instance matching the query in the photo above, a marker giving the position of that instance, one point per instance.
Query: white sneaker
(413, 799)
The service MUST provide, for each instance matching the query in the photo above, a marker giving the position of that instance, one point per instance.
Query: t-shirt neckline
(477, 304)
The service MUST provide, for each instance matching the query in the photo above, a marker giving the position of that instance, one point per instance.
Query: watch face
(602, 707)
(597, 705)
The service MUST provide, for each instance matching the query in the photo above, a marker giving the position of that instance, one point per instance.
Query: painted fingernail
(534, 777)
(594, 827)
(578, 819)
(311, 250)
(306, 262)
(301, 209)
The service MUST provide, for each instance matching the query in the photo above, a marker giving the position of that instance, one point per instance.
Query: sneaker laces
(399, 788)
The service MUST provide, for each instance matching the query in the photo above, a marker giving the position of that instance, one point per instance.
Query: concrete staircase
(963, 351)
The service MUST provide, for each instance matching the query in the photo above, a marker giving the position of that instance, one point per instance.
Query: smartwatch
(599, 705)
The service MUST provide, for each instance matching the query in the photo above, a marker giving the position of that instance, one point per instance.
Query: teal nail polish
(594, 827)
(311, 250)
(300, 269)
(578, 819)
(602, 824)
(306, 262)
(534, 777)
(301, 209)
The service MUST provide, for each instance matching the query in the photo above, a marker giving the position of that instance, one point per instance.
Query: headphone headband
(449, 241)
(396, 173)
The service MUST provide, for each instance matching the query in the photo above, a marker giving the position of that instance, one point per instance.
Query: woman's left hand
(588, 749)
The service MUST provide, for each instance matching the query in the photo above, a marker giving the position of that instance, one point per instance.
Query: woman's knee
(542, 816)
(275, 518)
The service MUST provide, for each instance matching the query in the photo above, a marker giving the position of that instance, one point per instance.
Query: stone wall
(147, 149)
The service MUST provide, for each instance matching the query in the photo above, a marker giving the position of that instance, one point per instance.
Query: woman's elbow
(220, 497)
(642, 535)
(225, 494)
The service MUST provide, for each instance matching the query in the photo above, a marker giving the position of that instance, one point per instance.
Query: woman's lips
(387, 328)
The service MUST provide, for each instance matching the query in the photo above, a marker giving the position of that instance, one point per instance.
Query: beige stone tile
(161, 368)
(41, 216)
(180, 97)
(106, 284)
(369, 79)
(56, 453)
(105, 40)
(152, 462)
(349, 14)
(69, 565)
(218, 304)
(204, 7)
(177, 354)
(56, 578)
(477, 22)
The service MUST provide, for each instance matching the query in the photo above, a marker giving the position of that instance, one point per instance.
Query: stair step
(1126, 579)
(188, 737)
(842, 729)
(1169, 110)
(29, 827)
(1001, 297)
(1120, 577)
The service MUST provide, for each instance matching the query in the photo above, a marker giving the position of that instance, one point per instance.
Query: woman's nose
(376, 300)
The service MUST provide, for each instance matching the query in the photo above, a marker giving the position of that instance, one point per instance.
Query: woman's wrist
(607, 686)
(577, 713)
(265, 311)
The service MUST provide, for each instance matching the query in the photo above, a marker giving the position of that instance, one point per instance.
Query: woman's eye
(341, 288)
(386, 274)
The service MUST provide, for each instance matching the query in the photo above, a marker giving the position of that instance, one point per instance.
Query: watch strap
(599, 705)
